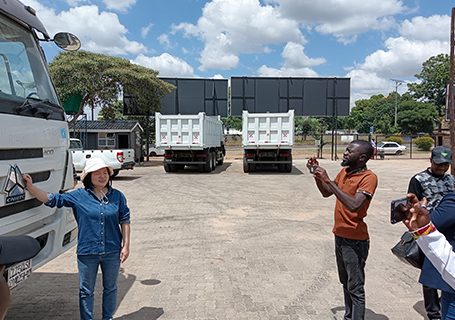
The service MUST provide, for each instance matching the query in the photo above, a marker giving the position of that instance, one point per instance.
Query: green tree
(415, 116)
(234, 123)
(434, 78)
(101, 79)
(308, 126)
(112, 112)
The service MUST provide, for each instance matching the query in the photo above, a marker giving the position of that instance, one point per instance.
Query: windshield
(381, 144)
(25, 84)
(75, 144)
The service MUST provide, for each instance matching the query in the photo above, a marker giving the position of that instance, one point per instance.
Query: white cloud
(74, 3)
(345, 19)
(119, 5)
(402, 57)
(426, 29)
(231, 27)
(166, 64)
(296, 63)
(108, 37)
(164, 41)
(295, 57)
(145, 30)
(265, 71)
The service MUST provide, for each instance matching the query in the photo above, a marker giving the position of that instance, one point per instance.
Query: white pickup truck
(117, 159)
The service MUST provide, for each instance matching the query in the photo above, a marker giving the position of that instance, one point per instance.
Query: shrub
(424, 143)
(396, 139)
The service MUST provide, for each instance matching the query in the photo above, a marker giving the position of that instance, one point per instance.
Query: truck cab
(34, 138)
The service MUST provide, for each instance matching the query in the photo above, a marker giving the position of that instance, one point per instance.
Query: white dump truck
(190, 140)
(267, 139)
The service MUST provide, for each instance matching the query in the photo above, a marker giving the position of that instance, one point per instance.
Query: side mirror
(67, 41)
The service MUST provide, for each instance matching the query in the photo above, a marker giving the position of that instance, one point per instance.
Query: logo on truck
(14, 186)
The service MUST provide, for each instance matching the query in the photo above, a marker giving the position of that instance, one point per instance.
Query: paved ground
(229, 245)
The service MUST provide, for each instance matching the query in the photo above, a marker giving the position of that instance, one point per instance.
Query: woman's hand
(124, 254)
(418, 215)
(28, 179)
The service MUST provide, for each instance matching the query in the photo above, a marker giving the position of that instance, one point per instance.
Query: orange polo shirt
(350, 224)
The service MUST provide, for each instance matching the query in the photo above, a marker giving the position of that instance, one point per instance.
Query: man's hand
(418, 215)
(321, 174)
(312, 164)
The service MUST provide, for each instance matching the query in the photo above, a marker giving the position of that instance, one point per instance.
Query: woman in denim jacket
(103, 219)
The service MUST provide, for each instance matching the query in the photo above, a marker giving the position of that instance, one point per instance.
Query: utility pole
(450, 93)
(397, 84)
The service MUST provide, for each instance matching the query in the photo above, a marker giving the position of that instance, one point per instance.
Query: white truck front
(267, 139)
(34, 139)
(193, 140)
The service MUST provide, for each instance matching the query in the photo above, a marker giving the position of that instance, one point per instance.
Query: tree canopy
(100, 79)
(434, 78)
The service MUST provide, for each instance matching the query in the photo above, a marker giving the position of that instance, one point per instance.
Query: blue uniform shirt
(98, 221)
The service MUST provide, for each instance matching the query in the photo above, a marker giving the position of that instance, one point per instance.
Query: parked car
(153, 152)
(390, 147)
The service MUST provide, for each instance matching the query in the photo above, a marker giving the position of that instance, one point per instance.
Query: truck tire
(281, 166)
(200, 167)
(180, 167)
(289, 165)
(252, 167)
(213, 160)
(246, 167)
(221, 161)
(115, 173)
(166, 167)
(208, 163)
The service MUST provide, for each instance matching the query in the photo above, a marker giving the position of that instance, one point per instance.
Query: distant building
(108, 134)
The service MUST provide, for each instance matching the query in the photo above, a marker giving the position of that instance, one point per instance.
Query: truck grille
(19, 207)
(13, 154)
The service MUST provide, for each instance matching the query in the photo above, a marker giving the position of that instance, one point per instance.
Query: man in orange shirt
(353, 187)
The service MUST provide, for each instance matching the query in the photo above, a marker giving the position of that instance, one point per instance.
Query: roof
(106, 125)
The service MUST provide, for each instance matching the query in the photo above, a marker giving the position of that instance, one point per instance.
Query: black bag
(408, 251)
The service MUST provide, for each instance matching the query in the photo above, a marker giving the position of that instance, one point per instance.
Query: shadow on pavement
(420, 308)
(56, 296)
(145, 313)
(195, 170)
(126, 178)
(265, 170)
(369, 314)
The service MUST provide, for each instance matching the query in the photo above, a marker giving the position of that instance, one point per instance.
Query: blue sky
(370, 41)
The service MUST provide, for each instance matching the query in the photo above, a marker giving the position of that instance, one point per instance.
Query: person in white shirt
(433, 243)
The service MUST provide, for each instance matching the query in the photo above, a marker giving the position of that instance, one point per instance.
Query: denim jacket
(98, 221)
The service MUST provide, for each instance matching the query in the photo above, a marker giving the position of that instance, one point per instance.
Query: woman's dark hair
(89, 184)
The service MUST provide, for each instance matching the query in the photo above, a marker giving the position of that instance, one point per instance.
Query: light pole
(397, 84)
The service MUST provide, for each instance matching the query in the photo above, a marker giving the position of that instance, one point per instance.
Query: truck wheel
(200, 167)
(213, 160)
(180, 167)
(115, 173)
(289, 165)
(167, 168)
(208, 163)
(221, 161)
(253, 167)
(281, 166)
(246, 167)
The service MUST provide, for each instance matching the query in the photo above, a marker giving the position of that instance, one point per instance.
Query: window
(106, 139)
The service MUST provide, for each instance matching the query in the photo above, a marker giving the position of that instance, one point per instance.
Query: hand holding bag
(408, 251)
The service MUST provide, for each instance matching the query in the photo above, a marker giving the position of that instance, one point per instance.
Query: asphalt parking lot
(229, 245)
